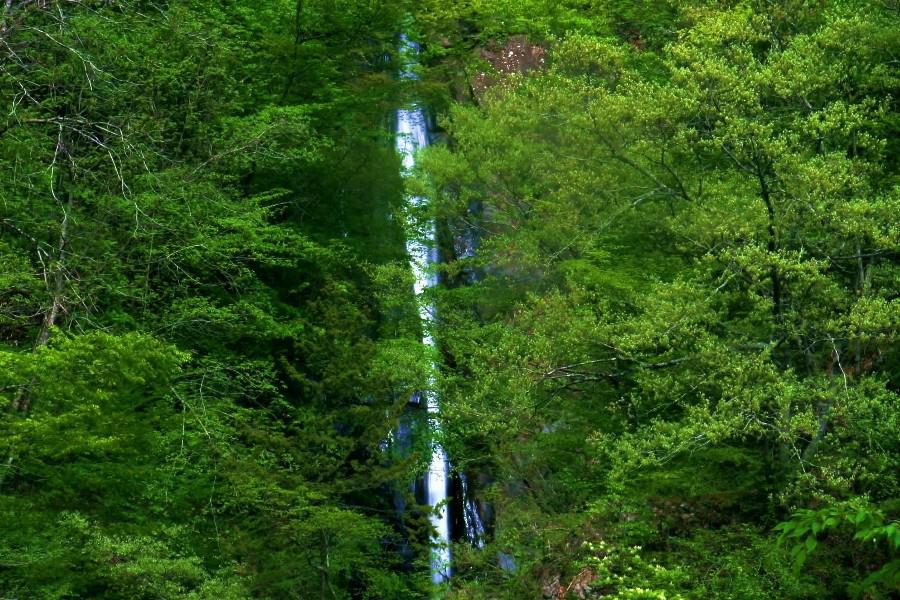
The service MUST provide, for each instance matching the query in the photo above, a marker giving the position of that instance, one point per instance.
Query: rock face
(579, 587)
(517, 55)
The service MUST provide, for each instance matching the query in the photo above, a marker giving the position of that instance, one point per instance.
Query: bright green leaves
(143, 566)
(869, 526)
(402, 366)
(110, 389)
(94, 371)
(72, 551)
(687, 258)
(583, 56)
(623, 571)
(96, 401)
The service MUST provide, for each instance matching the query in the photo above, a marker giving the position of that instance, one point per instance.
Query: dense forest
(666, 318)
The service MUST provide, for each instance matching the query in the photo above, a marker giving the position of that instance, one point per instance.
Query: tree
(187, 335)
(686, 308)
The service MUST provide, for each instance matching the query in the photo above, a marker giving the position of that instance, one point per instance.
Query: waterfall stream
(412, 134)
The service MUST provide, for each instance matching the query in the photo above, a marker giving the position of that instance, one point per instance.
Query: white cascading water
(412, 134)
(471, 516)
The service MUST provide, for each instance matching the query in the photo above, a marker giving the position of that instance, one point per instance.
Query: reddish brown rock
(517, 55)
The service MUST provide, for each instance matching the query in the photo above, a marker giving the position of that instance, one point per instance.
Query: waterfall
(472, 521)
(412, 134)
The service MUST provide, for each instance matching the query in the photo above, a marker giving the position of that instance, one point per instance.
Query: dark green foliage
(187, 322)
(869, 525)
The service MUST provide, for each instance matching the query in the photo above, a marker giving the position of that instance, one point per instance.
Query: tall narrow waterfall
(412, 134)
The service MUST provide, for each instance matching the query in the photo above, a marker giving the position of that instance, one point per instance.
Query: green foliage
(679, 324)
(868, 524)
(623, 572)
(684, 321)
(194, 382)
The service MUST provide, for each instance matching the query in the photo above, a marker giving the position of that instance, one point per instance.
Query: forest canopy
(666, 316)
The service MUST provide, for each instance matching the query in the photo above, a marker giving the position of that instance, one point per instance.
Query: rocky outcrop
(517, 55)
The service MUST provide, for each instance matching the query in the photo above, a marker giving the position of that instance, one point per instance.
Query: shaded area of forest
(196, 231)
